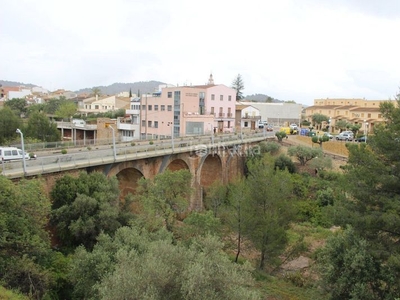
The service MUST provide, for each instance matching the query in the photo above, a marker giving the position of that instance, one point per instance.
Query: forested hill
(115, 88)
(262, 98)
(118, 87)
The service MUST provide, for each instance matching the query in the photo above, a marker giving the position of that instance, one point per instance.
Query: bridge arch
(210, 170)
(177, 164)
(128, 181)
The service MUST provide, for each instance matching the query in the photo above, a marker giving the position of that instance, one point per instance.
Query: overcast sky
(290, 50)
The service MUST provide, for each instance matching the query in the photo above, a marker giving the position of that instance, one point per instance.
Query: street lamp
(172, 134)
(212, 134)
(113, 134)
(329, 124)
(366, 131)
(23, 150)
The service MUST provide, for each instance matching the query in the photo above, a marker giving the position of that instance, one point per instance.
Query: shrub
(63, 151)
(284, 162)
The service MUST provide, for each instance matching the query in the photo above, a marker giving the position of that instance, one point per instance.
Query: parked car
(270, 128)
(293, 126)
(344, 136)
(361, 139)
(330, 136)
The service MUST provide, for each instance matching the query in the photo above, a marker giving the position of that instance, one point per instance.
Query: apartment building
(355, 111)
(188, 110)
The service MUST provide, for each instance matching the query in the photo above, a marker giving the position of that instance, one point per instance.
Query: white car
(293, 126)
(345, 136)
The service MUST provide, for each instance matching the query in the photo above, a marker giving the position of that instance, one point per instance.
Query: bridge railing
(123, 152)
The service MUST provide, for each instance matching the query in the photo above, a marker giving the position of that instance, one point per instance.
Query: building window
(162, 107)
(212, 110)
(229, 98)
(156, 107)
(221, 97)
(155, 124)
(150, 107)
(212, 97)
(143, 123)
(169, 107)
(96, 107)
(143, 107)
(169, 94)
(149, 123)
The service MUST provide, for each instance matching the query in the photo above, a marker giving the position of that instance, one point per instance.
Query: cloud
(287, 49)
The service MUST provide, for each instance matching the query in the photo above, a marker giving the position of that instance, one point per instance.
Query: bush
(133, 144)
(270, 147)
(151, 142)
(63, 151)
(284, 162)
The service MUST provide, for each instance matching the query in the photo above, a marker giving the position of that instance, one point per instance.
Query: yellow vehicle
(288, 130)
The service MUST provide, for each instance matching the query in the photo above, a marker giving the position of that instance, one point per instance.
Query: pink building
(188, 110)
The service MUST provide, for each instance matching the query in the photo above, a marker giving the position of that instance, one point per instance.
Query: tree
(304, 153)
(165, 196)
(9, 122)
(66, 110)
(130, 93)
(136, 264)
(40, 127)
(96, 91)
(347, 268)
(284, 162)
(280, 135)
(372, 190)
(53, 104)
(24, 243)
(269, 147)
(18, 105)
(215, 197)
(320, 139)
(268, 209)
(342, 125)
(234, 214)
(238, 85)
(85, 206)
(319, 119)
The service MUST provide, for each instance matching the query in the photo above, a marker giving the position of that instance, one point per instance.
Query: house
(278, 113)
(188, 110)
(102, 104)
(247, 116)
(354, 111)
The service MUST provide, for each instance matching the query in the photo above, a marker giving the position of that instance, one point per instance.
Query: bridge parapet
(126, 152)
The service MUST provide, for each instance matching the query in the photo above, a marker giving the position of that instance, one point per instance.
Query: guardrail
(124, 152)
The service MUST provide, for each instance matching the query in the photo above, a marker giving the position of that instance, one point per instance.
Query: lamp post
(172, 134)
(113, 134)
(366, 131)
(212, 134)
(329, 124)
(23, 150)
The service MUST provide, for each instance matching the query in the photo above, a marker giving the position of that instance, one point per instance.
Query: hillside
(118, 87)
(135, 87)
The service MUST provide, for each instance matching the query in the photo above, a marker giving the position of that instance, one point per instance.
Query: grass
(275, 288)
(336, 147)
(10, 295)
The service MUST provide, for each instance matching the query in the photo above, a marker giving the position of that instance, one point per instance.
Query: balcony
(133, 111)
(221, 114)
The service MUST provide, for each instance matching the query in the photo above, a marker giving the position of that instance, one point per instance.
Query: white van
(11, 153)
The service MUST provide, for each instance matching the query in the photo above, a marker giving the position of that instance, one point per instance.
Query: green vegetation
(82, 240)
